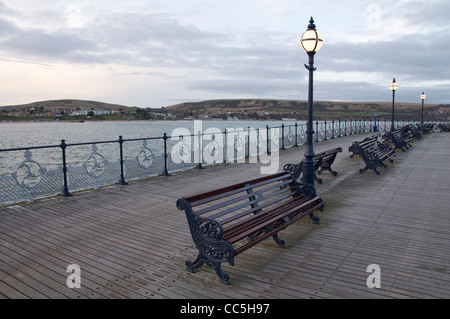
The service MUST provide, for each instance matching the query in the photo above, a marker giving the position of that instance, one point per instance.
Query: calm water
(31, 134)
(14, 135)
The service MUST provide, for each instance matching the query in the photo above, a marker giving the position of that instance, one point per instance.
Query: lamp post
(375, 128)
(422, 97)
(394, 87)
(311, 42)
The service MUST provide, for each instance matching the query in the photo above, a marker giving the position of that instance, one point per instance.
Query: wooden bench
(426, 128)
(400, 138)
(355, 147)
(444, 127)
(374, 154)
(322, 162)
(227, 221)
(414, 131)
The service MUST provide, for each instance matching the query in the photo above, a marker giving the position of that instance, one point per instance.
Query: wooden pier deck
(132, 242)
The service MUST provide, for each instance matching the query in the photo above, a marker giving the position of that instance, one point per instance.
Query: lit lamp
(423, 97)
(394, 87)
(311, 42)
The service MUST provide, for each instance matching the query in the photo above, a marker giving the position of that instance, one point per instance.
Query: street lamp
(311, 42)
(422, 97)
(394, 87)
(375, 117)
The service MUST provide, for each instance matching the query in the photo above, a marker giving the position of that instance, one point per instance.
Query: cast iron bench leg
(280, 242)
(191, 265)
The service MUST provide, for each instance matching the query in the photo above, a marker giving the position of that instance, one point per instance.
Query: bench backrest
(231, 204)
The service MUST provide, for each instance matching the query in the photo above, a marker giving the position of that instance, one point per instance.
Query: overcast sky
(152, 53)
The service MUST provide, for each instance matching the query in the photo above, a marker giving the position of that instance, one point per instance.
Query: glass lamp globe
(393, 85)
(311, 40)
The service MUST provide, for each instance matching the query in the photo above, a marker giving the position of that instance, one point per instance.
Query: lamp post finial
(311, 25)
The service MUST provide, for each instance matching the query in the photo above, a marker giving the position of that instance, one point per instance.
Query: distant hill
(262, 109)
(323, 110)
(67, 104)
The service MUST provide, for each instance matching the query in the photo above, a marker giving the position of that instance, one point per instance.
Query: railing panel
(33, 172)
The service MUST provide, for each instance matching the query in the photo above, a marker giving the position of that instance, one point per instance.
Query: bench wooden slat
(247, 196)
(254, 209)
(275, 231)
(255, 204)
(203, 198)
(249, 226)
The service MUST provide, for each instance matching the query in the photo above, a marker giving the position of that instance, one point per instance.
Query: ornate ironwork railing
(64, 168)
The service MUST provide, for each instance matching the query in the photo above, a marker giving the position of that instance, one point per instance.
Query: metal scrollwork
(275, 138)
(212, 149)
(183, 152)
(336, 131)
(95, 164)
(260, 141)
(321, 134)
(238, 144)
(207, 235)
(329, 131)
(290, 135)
(294, 169)
(29, 173)
(145, 157)
(302, 136)
(306, 190)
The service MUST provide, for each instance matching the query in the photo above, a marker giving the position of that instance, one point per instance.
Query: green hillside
(261, 109)
(323, 110)
(67, 104)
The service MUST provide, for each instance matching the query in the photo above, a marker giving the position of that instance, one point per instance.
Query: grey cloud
(259, 63)
(44, 44)
(410, 56)
(7, 28)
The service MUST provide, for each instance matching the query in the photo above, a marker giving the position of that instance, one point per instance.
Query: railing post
(122, 175)
(267, 140)
(296, 135)
(332, 130)
(325, 130)
(200, 158)
(247, 155)
(317, 131)
(225, 146)
(66, 192)
(165, 173)
(282, 137)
